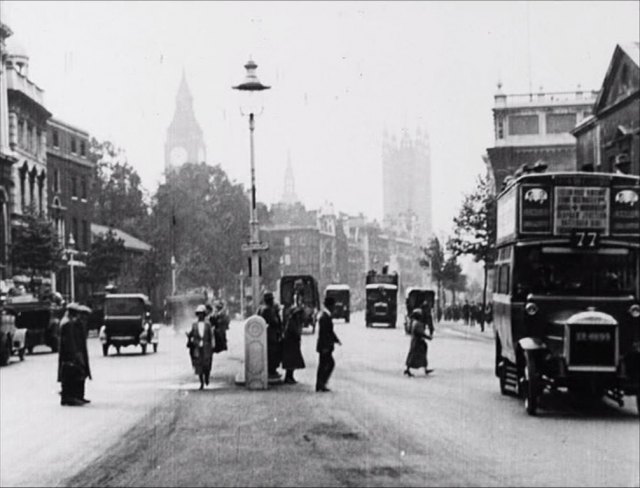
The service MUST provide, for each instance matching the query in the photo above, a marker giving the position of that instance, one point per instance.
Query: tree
(433, 258)
(202, 218)
(104, 260)
(452, 277)
(118, 196)
(474, 232)
(35, 249)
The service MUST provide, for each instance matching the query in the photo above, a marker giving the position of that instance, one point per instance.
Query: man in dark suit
(326, 341)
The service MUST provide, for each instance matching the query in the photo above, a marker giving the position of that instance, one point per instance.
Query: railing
(520, 99)
(18, 82)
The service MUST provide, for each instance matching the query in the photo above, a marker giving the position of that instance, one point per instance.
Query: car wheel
(346, 319)
(118, 350)
(105, 349)
(155, 348)
(368, 324)
(144, 349)
(21, 352)
(30, 349)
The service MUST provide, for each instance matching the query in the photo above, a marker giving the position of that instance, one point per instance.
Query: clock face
(178, 156)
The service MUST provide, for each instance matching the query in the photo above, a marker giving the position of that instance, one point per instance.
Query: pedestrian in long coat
(327, 339)
(291, 343)
(220, 320)
(417, 357)
(270, 312)
(200, 341)
(73, 356)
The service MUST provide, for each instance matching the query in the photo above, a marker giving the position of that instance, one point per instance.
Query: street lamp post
(71, 252)
(241, 276)
(252, 87)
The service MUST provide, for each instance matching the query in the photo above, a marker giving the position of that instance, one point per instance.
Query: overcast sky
(341, 73)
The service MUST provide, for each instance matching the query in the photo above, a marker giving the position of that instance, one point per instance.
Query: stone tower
(289, 194)
(184, 141)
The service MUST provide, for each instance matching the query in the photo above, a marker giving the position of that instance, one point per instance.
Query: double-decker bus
(566, 286)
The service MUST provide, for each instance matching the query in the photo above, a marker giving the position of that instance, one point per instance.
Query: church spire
(289, 195)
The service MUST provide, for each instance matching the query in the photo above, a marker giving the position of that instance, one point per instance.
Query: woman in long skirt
(200, 341)
(417, 357)
(291, 344)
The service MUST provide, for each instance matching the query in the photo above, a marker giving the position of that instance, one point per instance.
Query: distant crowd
(469, 313)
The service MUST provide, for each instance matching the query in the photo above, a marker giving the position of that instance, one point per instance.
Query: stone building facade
(612, 133)
(406, 180)
(536, 127)
(70, 169)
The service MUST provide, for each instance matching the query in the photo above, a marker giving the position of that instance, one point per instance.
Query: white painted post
(255, 353)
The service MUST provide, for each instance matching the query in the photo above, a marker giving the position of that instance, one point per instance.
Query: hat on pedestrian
(76, 307)
(416, 314)
(219, 305)
(201, 309)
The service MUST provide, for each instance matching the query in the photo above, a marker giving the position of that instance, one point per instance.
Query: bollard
(255, 353)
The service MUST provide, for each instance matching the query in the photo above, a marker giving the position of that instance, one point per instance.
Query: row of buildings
(336, 247)
(45, 167)
(330, 245)
(593, 130)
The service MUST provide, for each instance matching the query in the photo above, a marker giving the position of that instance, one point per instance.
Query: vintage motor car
(12, 339)
(39, 318)
(416, 297)
(310, 297)
(342, 295)
(127, 322)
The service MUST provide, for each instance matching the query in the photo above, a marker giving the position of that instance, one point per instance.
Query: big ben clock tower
(184, 136)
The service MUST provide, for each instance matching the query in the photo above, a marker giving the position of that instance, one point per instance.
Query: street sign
(80, 264)
(260, 246)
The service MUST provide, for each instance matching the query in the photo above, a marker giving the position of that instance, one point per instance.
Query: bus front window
(566, 271)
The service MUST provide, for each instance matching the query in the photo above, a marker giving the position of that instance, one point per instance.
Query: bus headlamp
(531, 308)
(634, 310)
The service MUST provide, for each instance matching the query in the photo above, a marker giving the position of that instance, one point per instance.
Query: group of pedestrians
(470, 313)
(207, 336)
(284, 338)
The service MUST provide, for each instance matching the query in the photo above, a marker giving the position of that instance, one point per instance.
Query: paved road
(149, 426)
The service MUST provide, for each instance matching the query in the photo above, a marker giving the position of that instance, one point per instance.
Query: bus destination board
(581, 208)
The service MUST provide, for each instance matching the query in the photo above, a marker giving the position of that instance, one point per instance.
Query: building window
(73, 145)
(287, 259)
(287, 241)
(83, 149)
(56, 181)
(84, 188)
(74, 189)
(56, 138)
(560, 123)
(500, 129)
(523, 125)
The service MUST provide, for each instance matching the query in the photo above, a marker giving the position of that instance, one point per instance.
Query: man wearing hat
(73, 357)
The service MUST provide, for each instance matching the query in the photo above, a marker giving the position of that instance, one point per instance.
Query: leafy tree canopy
(474, 231)
(202, 217)
(118, 196)
(35, 248)
(104, 260)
